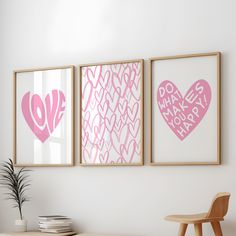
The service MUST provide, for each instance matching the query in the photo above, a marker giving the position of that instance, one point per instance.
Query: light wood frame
(15, 118)
(141, 61)
(218, 161)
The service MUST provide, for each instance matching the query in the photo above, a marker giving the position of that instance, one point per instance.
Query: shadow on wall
(228, 226)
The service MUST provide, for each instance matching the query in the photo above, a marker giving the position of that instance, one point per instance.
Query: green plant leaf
(16, 183)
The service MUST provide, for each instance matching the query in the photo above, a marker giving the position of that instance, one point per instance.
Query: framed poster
(185, 109)
(111, 121)
(43, 123)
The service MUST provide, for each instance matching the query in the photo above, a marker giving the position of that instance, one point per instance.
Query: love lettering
(43, 116)
(183, 114)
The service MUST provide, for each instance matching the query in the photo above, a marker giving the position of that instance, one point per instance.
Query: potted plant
(16, 183)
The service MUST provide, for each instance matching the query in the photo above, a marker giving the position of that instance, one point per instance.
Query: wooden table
(35, 233)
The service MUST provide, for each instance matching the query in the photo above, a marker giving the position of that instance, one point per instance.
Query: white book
(56, 224)
(55, 230)
(53, 227)
(63, 228)
(52, 217)
(55, 221)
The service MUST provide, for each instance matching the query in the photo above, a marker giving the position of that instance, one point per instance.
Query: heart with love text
(43, 115)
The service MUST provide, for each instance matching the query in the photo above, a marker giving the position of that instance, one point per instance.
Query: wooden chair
(216, 213)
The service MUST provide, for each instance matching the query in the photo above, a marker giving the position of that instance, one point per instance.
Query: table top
(35, 233)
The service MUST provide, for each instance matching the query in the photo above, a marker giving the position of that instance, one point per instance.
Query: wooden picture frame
(168, 145)
(43, 117)
(111, 153)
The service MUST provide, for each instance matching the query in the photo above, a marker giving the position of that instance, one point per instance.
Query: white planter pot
(20, 225)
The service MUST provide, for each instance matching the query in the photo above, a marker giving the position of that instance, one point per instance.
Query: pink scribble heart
(123, 107)
(110, 122)
(43, 116)
(104, 158)
(94, 73)
(134, 128)
(183, 114)
(99, 95)
(99, 131)
(118, 125)
(132, 113)
(116, 68)
(104, 80)
(100, 144)
(113, 100)
(119, 84)
(90, 156)
(127, 151)
(85, 137)
(86, 95)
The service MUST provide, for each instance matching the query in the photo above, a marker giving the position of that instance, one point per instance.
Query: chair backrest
(219, 206)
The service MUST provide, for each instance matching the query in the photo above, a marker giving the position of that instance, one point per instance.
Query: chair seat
(192, 219)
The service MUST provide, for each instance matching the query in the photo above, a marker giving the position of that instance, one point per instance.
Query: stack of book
(55, 224)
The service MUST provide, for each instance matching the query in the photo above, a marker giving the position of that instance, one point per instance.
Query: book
(52, 217)
(59, 222)
(55, 230)
(55, 224)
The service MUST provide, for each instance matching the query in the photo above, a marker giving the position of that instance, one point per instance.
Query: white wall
(129, 200)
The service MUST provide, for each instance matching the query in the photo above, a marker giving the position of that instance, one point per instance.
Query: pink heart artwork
(183, 114)
(111, 126)
(43, 116)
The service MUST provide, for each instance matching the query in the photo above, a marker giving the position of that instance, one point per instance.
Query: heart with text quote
(183, 114)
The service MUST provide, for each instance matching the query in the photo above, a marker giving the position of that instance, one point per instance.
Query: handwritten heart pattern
(111, 102)
(43, 116)
(183, 114)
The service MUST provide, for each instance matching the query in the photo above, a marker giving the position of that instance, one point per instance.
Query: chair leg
(216, 228)
(182, 229)
(198, 229)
